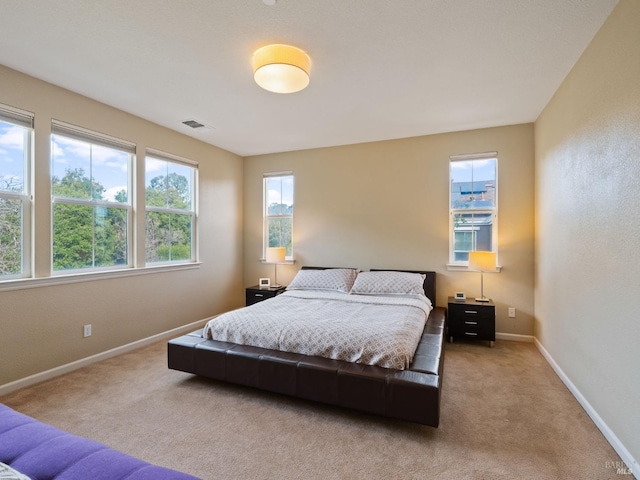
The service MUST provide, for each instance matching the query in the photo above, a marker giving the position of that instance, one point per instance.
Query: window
(170, 221)
(16, 132)
(95, 197)
(473, 205)
(278, 212)
(91, 199)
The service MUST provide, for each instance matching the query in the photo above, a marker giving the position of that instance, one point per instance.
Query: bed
(401, 379)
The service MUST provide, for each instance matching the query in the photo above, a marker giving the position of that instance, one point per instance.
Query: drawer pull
(258, 295)
(471, 334)
(467, 322)
(470, 311)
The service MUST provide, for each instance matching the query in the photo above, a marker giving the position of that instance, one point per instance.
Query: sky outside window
(106, 166)
(12, 141)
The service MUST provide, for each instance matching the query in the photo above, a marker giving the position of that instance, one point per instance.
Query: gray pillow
(335, 279)
(388, 283)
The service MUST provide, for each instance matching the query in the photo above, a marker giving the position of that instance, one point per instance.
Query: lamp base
(483, 300)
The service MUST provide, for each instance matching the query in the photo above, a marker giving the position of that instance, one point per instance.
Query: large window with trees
(278, 212)
(473, 205)
(170, 223)
(16, 133)
(91, 199)
(102, 214)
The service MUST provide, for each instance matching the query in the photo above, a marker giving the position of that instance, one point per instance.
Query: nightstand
(471, 319)
(256, 294)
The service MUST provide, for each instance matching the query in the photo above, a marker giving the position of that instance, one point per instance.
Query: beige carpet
(505, 414)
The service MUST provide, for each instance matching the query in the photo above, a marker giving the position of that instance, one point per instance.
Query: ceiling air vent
(193, 124)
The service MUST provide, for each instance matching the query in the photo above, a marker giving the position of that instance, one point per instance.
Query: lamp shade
(275, 255)
(281, 68)
(482, 261)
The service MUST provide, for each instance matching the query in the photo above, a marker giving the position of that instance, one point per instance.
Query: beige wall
(588, 225)
(385, 205)
(41, 328)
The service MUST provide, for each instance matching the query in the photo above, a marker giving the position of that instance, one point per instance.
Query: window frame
(493, 211)
(265, 212)
(154, 154)
(91, 137)
(25, 119)
(472, 230)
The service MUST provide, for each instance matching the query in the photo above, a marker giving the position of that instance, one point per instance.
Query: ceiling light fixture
(281, 68)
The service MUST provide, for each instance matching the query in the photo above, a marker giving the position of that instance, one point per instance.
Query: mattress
(367, 329)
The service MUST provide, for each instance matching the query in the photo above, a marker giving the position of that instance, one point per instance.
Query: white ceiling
(380, 69)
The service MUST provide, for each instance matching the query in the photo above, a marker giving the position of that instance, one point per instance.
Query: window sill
(286, 262)
(456, 267)
(24, 283)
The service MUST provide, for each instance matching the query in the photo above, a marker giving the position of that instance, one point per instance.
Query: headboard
(429, 281)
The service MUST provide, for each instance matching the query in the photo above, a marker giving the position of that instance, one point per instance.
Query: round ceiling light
(281, 68)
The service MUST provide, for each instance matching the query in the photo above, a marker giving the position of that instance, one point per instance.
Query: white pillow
(338, 279)
(389, 283)
(8, 473)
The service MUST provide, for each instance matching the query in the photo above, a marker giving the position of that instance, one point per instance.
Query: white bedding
(368, 329)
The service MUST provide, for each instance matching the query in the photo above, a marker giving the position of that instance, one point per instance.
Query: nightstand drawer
(257, 294)
(253, 296)
(474, 325)
(484, 330)
(471, 312)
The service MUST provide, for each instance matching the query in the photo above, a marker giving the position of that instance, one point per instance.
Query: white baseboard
(630, 462)
(514, 337)
(69, 367)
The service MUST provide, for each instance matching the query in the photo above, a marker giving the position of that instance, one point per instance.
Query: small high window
(278, 212)
(473, 205)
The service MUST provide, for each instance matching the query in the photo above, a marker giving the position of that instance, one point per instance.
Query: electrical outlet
(87, 331)
(512, 312)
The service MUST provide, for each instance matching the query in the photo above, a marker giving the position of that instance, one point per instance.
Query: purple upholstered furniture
(42, 452)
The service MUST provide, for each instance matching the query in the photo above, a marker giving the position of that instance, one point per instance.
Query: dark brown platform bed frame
(412, 395)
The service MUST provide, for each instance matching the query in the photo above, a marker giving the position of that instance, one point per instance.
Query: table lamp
(275, 255)
(482, 262)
